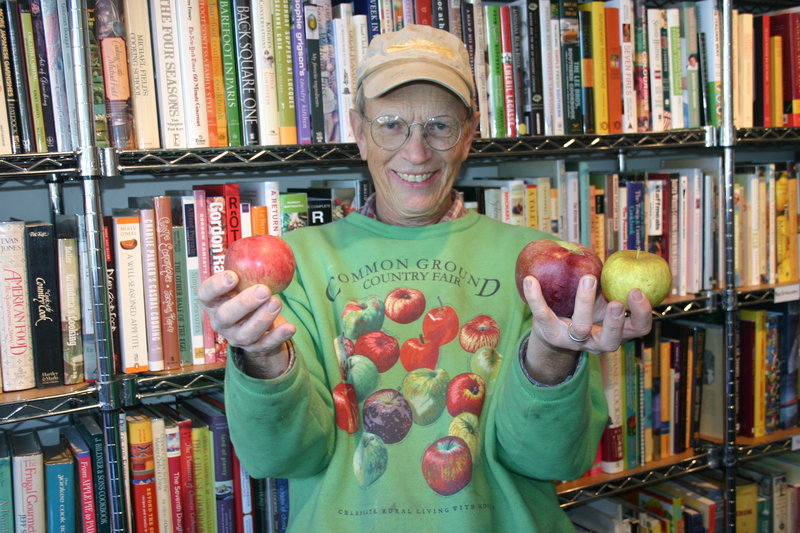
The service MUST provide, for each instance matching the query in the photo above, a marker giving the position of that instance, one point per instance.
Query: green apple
(426, 393)
(486, 362)
(465, 425)
(362, 316)
(363, 374)
(369, 459)
(625, 270)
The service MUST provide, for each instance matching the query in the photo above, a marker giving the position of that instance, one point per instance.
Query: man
(399, 381)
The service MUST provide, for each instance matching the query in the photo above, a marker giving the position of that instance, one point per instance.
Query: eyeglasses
(391, 132)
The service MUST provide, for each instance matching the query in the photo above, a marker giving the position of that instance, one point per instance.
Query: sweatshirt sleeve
(551, 433)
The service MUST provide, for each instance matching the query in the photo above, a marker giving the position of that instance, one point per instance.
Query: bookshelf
(90, 166)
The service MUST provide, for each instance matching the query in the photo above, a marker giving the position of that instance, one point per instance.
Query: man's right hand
(249, 320)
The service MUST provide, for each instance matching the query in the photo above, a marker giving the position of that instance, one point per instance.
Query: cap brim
(390, 77)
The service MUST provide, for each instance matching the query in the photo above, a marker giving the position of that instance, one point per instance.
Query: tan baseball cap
(416, 53)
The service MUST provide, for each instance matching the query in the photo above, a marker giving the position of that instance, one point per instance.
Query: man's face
(413, 183)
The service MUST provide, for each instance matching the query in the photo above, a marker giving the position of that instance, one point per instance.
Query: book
(294, 211)
(169, 72)
(182, 294)
(130, 290)
(194, 312)
(202, 452)
(92, 434)
(162, 470)
(264, 74)
(141, 72)
(6, 484)
(70, 297)
(188, 518)
(101, 126)
(210, 37)
(59, 480)
(312, 33)
(222, 456)
(84, 481)
(771, 484)
(34, 87)
(27, 463)
(300, 71)
(15, 76)
(15, 326)
(190, 57)
(614, 68)
(168, 296)
(342, 50)
(227, 40)
(284, 75)
(58, 66)
(142, 469)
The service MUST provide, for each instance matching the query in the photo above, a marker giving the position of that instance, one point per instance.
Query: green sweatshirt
(393, 415)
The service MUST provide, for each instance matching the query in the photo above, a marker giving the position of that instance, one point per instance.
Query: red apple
(447, 465)
(559, 266)
(419, 352)
(345, 405)
(404, 305)
(379, 347)
(480, 331)
(465, 394)
(440, 324)
(263, 259)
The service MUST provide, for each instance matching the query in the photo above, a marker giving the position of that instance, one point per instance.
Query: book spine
(195, 313)
(614, 69)
(116, 76)
(284, 76)
(495, 70)
(9, 87)
(191, 58)
(187, 475)
(43, 292)
(656, 72)
(18, 66)
(87, 312)
(208, 72)
(168, 299)
(587, 70)
(33, 86)
(15, 326)
(312, 32)
(142, 466)
(245, 35)
(112, 309)
(155, 350)
(128, 252)
(204, 255)
(202, 448)
(29, 491)
(507, 72)
(93, 436)
(71, 326)
(141, 74)
(300, 72)
(169, 78)
(342, 50)
(641, 67)
(676, 68)
(41, 60)
(327, 59)
(218, 73)
(57, 68)
(60, 496)
(182, 296)
(101, 118)
(162, 476)
(571, 66)
(227, 36)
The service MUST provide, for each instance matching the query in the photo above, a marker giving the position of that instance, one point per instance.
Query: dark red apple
(404, 305)
(379, 347)
(559, 266)
(387, 414)
(447, 465)
(263, 259)
(419, 352)
(465, 394)
(480, 331)
(345, 405)
(440, 324)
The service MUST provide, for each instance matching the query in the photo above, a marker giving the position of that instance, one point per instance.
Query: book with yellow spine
(600, 68)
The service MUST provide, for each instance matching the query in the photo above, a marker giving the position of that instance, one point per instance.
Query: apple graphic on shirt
(388, 415)
(419, 352)
(477, 332)
(440, 324)
(370, 459)
(426, 392)
(447, 465)
(486, 362)
(465, 426)
(404, 305)
(466, 393)
(363, 374)
(362, 316)
(381, 348)
(345, 405)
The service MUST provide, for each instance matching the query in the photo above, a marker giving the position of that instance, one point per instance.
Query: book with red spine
(162, 206)
(506, 51)
(423, 12)
(84, 481)
(142, 469)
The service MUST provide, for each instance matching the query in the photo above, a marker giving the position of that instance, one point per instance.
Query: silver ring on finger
(571, 335)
